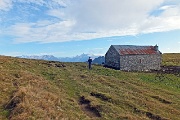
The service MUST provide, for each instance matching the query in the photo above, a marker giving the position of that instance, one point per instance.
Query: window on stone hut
(140, 61)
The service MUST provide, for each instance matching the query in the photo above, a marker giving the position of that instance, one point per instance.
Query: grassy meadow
(44, 90)
(171, 59)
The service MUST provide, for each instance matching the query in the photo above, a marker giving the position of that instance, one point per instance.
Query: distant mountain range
(99, 60)
(79, 58)
(42, 57)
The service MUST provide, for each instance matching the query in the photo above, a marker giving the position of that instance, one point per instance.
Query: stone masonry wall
(112, 58)
(140, 62)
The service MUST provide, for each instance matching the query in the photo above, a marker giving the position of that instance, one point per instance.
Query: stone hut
(133, 58)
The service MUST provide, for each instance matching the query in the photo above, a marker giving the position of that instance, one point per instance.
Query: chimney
(156, 47)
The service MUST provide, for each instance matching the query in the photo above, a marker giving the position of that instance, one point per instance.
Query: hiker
(89, 61)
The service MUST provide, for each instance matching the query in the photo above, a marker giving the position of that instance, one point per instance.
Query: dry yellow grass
(24, 95)
(28, 96)
(44, 90)
(171, 59)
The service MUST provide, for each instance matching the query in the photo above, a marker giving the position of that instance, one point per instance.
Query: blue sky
(72, 27)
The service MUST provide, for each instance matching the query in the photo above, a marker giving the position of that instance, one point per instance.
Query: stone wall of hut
(112, 58)
(140, 62)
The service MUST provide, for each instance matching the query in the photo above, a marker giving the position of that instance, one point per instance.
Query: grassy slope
(171, 59)
(32, 89)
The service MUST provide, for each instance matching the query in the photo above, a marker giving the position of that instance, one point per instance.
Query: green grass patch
(56, 90)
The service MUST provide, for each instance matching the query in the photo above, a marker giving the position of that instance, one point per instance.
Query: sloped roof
(135, 50)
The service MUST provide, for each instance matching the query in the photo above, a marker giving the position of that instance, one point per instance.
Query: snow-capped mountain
(79, 58)
(42, 57)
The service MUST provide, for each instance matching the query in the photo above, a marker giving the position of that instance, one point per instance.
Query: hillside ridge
(38, 89)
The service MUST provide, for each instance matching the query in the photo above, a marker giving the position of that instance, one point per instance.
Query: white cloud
(100, 15)
(129, 16)
(39, 2)
(166, 7)
(5, 5)
(46, 32)
(50, 3)
(56, 13)
(88, 19)
(168, 20)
